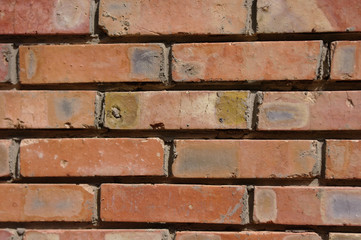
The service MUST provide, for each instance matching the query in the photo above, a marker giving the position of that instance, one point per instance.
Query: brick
(37, 17)
(174, 203)
(242, 159)
(91, 157)
(290, 16)
(7, 234)
(5, 158)
(47, 109)
(157, 17)
(246, 61)
(5, 61)
(97, 234)
(339, 110)
(343, 159)
(308, 205)
(88, 63)
(47, 202)
(344, 236)
(246, 235)
(178, 110)
(346, 60)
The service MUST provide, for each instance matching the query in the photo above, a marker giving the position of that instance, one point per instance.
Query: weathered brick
(157, 17)
(174, 203)
(47, 109)
(97, 234)
(7, 234)
(246, 235)
(246, 61)
(308, 205)
(5, 158)
(289, 16)
(178, 110)
(91, 157)
(45, 17)
(47, 202)
(346, 60)
(345, 236)
(242, 159)
(339, 110)
(45, 64)
(5, 61)
(343, 159)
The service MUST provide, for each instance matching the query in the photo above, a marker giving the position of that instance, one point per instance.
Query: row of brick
(156, 17)
(163, 234)
(169, 203)
(176, 110)
(193, 62)
(89, 157)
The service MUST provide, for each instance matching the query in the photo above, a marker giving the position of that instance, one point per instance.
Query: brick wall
(180, 120)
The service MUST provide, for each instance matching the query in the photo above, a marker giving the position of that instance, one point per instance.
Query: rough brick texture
(308, 205)
(47, 202)
(5, 158)
(346, 60)
(242, 159)
(246, 61)
(157, 17)
(45, 17)
(5, 62)
(91, 157)
(344, 236)
(40, 64)
(174, 203)
(178, 110)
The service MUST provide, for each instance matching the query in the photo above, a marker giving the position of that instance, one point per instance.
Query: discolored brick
(345, 236)
(5, 158)
(7, 234)
(346, 60)
(5, 62)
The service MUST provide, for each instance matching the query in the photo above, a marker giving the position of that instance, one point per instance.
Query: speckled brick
(346, 60)
(47, 202)
(89, 63)
(91, 157)
(174, 203)
(289, 16)
(47, 109)
(246, 61)
(157, 17)
(336, 206)
(37, 17)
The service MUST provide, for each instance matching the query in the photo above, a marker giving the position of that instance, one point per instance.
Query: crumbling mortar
(14, 163)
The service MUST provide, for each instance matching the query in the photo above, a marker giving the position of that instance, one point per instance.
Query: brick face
(246, 235)
(346, 60)
(5, 158)
(5, 53)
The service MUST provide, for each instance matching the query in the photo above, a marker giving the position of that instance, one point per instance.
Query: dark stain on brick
(145, 62)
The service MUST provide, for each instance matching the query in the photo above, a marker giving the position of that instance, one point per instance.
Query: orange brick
(45, 17)
(308, 205)
(242, 159)
(47, 202)
(5, 158)
(289, 16)
(7, 234)
(344, 236)
(174, 203)
(47, 109)
(343, 159)
(157, 17)
(178, 110)
(245, 235)
(346, 60)
(91, 157)
(97, 234)
(45, 64)
(246, 61)
(5, 53)
(339, 110)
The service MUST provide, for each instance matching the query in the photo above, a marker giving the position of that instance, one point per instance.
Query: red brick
(346, 60)
(5, 61)
(46, 64)
(174, 203)
(339, 110)
(246, 235)
(45, 17)
(242, 159)
(343, 159)
(344, 236)
(5, 158)
(157, 17)
(7, 234)
(47, 202)
(246, 61)
(178, 110)
(47, 109)
(91, 157)
(97, 234)
(289, 16)
(308, 205)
